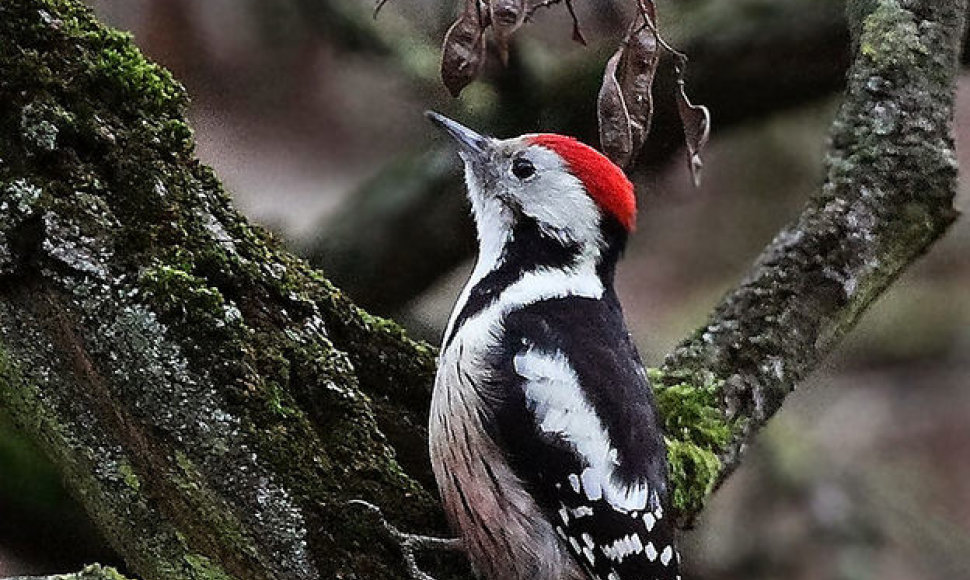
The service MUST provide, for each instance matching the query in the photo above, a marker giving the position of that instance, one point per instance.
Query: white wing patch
(554, 395)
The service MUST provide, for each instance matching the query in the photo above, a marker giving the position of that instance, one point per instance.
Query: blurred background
(310, 112)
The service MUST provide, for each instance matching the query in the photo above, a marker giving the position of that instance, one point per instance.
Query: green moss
(130, 476)
(95, 572)
(202, 568)
(183, 298)
(696, 433)
(178, 136)
(693, 472)
(891, 37)
(213, 513)
(120, 63)
(175, 288)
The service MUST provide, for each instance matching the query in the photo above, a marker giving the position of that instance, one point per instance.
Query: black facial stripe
(528, 249)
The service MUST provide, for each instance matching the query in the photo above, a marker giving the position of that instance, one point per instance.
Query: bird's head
(567, 190)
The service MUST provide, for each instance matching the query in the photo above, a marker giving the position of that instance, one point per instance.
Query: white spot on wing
(574, 482)
(649, 521)
(650, 551)
(666, 556)
(624, 547)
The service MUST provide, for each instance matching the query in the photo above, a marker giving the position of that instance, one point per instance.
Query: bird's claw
(410, 543)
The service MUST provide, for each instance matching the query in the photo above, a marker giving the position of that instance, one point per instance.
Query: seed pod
(463, 50)
(616, 139)
(626, 100)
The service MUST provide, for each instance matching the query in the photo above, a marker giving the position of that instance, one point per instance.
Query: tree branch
(887, 197)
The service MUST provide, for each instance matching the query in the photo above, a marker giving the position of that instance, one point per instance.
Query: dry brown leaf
(507, 17)
(616, 138)
(626, 100)
(696, 119)
(463, 50)
(697, 129)
(625, 103)
(637, 69)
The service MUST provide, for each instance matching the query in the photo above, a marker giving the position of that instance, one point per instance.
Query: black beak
(469, 142)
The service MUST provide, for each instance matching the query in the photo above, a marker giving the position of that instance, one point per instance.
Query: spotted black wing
(586, 439)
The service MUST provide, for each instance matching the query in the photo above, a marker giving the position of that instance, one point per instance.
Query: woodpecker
(544, 439)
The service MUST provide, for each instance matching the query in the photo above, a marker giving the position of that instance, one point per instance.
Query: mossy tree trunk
(215, 403)
(202, 390)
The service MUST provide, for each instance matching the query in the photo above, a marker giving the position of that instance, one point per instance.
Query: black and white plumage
(543, 434)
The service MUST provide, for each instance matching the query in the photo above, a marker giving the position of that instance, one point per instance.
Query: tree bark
(888, 195)
(216, 404)
(93, 572)
(202, 390)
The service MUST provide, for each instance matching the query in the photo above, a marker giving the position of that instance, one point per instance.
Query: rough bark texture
(215, 403)
(201, 389)
(888, 196)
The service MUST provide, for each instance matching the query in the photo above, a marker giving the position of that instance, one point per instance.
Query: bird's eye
(523, 168)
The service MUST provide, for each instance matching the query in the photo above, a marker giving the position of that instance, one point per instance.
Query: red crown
(604, 181)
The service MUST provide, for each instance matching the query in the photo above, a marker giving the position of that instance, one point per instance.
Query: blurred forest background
(310, 111)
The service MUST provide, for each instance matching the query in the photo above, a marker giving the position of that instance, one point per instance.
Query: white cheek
(558, 202)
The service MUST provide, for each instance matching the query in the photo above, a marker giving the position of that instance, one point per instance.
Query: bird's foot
(410, 544)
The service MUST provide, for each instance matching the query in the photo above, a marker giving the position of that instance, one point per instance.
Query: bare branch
(888, 196)
(577, 30)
